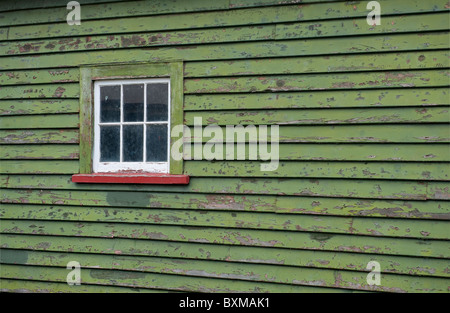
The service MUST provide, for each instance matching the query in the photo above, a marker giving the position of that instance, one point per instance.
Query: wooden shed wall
(364, 129)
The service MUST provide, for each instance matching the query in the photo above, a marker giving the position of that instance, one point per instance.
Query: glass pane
(110, 144)
(110, 104)
(157, 102)
(157, 143)
(133, 143)
(133, 103)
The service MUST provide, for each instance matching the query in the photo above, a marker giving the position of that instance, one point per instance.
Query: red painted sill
(131, 178)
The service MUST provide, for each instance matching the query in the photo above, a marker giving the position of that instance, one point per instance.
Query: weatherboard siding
(363, 116)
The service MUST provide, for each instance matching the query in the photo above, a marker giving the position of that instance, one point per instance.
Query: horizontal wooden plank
(306, 201)
(281, 169)
(39, 76)
(40, 91)
(319, 169)
(157, 5)
(154, 281)
(40, 121)
(37, 106)
(245, 272)
(282, 48)
(335, 63)
(147, 39)
(57, 12)
(37, 4)
(303, 30)
(314, 99)
(382, 227)
(173, 235)
(39, 136)
(242, 4)
(399, 6)
(403, 133)
(306, 134)
(39, 166)
(52, 152)
(347, 188)
(28, 286)
(359, 26)
(430, 78)
(335, 152)
(221, 18)
(321, 116)
(324, 152)
(319, 99)
(437, 133)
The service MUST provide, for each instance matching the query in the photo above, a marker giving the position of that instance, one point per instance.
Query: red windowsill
(131, 178)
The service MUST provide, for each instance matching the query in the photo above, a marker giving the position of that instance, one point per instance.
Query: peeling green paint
(363, 175)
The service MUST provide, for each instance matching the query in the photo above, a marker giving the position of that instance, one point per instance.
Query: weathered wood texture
(363, 116)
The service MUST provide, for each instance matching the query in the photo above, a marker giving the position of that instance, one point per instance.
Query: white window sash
(150, 167)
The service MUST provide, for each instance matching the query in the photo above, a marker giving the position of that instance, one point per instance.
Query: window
(127, 113)
(132, 125)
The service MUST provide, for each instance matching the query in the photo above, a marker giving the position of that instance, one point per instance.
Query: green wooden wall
(364, 153)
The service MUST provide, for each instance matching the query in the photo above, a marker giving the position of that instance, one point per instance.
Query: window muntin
(132, 124)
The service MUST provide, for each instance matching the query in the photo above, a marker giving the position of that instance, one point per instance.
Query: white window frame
(149, 167)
